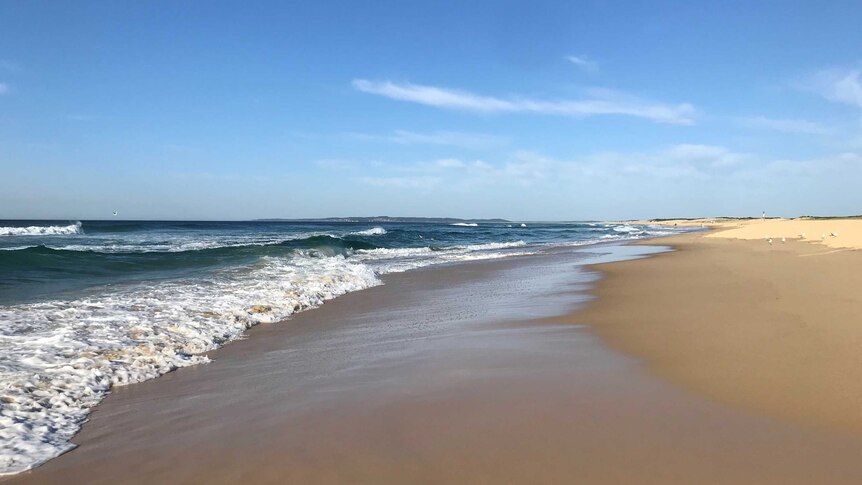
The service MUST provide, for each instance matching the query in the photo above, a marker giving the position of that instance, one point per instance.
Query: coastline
(459, 373)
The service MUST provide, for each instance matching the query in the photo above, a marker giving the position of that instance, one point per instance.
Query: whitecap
(41, 230)
(374, 231)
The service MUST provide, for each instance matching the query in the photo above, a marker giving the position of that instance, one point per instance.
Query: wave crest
(41, 230)
(374, 231)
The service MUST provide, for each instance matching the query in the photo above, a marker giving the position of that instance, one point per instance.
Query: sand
(833, 233)
(727, 361)
(776, 329)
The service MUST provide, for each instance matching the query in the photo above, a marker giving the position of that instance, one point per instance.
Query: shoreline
(374, 387)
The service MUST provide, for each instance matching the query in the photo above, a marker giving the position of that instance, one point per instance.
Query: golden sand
(833, 233)
(776, 329)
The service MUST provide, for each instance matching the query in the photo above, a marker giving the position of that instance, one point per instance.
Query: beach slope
(775, 328)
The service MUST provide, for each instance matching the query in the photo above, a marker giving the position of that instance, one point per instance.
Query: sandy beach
(430, 243)
(776, 327)
(726, 361)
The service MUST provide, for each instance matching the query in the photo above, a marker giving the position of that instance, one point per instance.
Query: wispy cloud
(845, 162)
(841, 85)
(4, 89)
(338, 164)
(528, 168)
(602, 102)
(584, 63)
(708, 155)
(420, 182)
(785, 125)
(522, 168)
(449, 138)
(689, 167)
(443, 138)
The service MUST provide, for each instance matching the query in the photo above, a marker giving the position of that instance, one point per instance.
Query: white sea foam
(59, 358)
(464, 224)
(41, 230)
(626, 228)
(499, 245)
(374, 231)
(397, 260)
(178, 244)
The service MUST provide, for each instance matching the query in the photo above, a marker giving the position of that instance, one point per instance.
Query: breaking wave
(41, 230)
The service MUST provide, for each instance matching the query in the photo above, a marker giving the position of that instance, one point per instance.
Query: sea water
(88, 305)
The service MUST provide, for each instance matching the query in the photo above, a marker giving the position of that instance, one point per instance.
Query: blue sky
(523, 110)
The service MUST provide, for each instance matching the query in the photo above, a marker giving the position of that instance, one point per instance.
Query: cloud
(686, 177)
(443, 138)
(601, 102)
(840, 85)
(843, 163)
(421, 182)
(448, 138)
(704, 155)
(527, 168)
(803, 127)
(336, 164)
(4, 89)
(584, 63)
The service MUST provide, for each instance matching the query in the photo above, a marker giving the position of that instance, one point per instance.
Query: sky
(524, 110)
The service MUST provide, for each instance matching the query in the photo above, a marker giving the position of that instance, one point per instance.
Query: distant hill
(385, 219)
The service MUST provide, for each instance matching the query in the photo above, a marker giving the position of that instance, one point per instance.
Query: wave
(41, 230)
(374, 231)
(499, 245)
(397, 260)
(464, 224)
(17, 248)
(202, 246)
(60, 358)
(626, 228)
(61, 355)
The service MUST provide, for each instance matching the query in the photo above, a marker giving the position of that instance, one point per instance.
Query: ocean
(87, 305)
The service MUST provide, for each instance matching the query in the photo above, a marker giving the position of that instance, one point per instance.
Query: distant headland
(384, 219)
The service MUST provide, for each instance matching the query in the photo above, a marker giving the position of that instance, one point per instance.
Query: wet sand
(460, 374)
